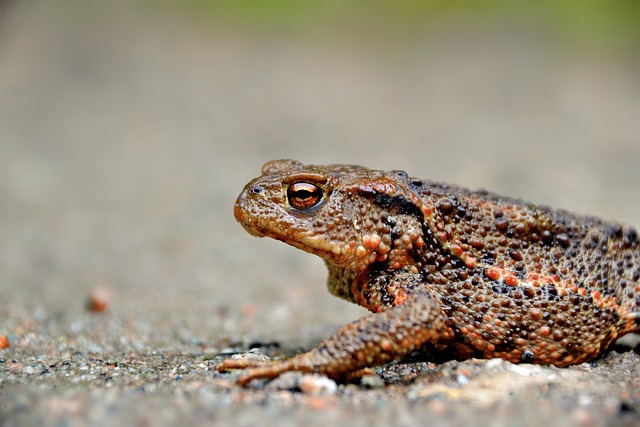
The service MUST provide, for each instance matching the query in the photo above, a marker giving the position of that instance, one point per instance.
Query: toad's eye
(304, 195)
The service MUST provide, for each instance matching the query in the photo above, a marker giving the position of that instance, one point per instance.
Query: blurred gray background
(128, 128)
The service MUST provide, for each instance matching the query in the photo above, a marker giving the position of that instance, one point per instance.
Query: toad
(470, 272)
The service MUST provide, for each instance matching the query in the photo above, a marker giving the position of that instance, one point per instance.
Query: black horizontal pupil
(305, 194)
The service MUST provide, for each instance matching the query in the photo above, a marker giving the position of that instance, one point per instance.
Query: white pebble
(317, 385)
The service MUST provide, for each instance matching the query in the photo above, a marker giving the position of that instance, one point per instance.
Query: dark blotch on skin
(398, 204)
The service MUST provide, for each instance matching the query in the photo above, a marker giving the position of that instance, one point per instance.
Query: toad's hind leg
(370, 341)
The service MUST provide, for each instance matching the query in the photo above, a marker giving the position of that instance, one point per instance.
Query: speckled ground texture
(125, 138)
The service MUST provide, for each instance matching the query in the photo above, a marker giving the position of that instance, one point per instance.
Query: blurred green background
(591, 24)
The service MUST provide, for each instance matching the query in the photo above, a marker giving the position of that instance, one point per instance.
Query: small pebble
(98, 300)
(253, 354)
(581, 417)
(494, 363)
(317, 385)
(462, 379)
(286, 381)
(438, 407)
(585, 400)
(371, 381)
(524, 371)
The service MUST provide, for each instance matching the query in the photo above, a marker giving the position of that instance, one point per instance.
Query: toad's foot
(253, 369)
(370, 341)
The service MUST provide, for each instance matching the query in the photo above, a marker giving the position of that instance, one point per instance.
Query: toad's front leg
(372, 340)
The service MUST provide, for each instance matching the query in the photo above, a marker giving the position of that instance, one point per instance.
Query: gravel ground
(125, 138)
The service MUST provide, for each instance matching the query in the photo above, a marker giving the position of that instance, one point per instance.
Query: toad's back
(480, 274)
(537, 285)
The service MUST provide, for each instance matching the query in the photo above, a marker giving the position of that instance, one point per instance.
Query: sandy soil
(125, 139)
